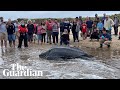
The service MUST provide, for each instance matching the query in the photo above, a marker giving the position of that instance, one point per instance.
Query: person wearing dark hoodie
(23, 35)
(116, 24)
(30, 28)
(74, 31)
(11, 32)
(61, 27)
(67, 25)
(64, 38)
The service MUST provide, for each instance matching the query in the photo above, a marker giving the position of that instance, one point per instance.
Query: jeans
(11, 37)
(75, 36)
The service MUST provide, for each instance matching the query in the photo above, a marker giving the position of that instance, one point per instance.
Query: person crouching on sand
(105, 39)
(65, 37)
(23, 35)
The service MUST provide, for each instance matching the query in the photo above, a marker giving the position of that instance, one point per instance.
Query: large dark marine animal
(57, 53)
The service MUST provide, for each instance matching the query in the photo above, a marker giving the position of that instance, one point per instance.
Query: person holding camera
(3, 33)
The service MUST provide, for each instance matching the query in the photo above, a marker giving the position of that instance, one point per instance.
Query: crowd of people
(48, 31)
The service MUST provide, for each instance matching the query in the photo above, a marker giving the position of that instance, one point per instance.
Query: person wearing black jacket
(11, 32)
(75, 35)
(30, 28)
(61, 27)
(65, 37)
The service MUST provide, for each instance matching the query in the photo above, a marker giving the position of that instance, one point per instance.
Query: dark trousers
(94, 35)
(116, 30)
(43, 37)
(21, 38)
(55, 37)
(66, 42)
(75, 36)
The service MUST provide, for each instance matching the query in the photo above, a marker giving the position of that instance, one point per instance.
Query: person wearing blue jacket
(89, 26)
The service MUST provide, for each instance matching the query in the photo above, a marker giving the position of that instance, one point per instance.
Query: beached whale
(57, 53)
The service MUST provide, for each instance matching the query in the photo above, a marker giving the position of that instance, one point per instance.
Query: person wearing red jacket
(84, 30)
(23, 35)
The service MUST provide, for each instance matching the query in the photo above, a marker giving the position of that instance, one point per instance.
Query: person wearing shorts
(3, 33)
(11, 33)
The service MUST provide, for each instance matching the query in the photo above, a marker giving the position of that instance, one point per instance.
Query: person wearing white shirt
(108, 23)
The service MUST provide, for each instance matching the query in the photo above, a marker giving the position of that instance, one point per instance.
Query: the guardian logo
(18, 70)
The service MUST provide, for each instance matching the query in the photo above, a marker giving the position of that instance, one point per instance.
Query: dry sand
(115, 44)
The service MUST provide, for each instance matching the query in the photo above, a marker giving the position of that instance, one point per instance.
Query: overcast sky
(51, 14)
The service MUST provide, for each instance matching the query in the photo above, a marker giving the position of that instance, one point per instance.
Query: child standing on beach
(84, 30)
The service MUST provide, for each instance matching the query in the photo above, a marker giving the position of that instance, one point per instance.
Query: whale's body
(64, 53)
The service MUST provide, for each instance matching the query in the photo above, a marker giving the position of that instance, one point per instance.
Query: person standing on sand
(89, 26)
(35, 26)
(30, 28)
(39, 27)
(67, 25)
(108, 23)
(55, 32)
(75, 35)
(84, 30)
(3, 33)
(11, 33)
(43, 32)
(103, 18)
(16, 29)
(61, 27)
(22, 29)
(77, 28)
(116, 24)
(81, 22)
(49, 30)
(105, 39)
(96, 19)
